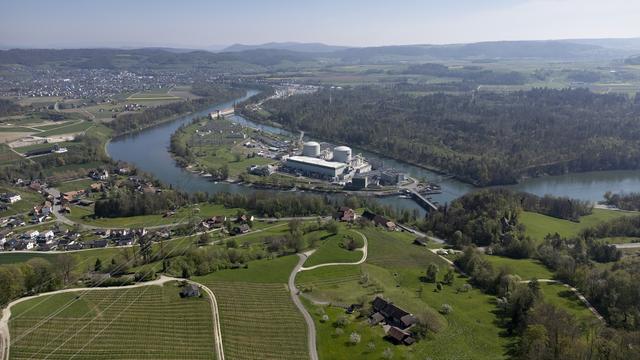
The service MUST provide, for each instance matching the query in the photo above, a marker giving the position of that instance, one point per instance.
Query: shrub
(354, 338)
(446, 309)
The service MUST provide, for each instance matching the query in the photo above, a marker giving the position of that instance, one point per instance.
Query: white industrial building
(321, 160)
(313, 165)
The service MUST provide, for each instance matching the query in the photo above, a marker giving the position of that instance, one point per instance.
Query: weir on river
(148, 150)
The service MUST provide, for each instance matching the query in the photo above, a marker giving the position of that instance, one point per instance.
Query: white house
(10, 198)
(31, 234)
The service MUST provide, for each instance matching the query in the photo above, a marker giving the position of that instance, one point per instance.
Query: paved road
(5, 336)
(362, 260)
(295, 296)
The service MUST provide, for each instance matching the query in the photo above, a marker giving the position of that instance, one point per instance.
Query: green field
(567, 300)
(150, 322)
(7, 156)
(257, 316)
(67, 129)
(527, 269)
(331, 251)
(394, 268)
(538, 225)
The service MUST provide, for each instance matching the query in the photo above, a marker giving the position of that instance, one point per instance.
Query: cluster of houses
(346, 214)
(395, 321)
(10, 198)
(46, 240)
(241, 223)
(65, 240)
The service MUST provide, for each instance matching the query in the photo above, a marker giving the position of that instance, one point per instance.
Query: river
(148, 150)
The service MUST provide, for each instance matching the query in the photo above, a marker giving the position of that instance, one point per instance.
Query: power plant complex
(335, 164)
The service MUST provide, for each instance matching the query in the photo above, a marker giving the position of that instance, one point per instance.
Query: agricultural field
(150, 322)
(332, 249)
(258, 318)
(538, 225)
(153, 95)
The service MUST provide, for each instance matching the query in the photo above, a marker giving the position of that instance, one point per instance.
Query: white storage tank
(342, 154)
(311, 149)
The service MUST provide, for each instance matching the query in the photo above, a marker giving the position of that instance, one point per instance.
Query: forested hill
(484, 138)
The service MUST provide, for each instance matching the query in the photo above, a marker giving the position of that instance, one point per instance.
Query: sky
(209, 23)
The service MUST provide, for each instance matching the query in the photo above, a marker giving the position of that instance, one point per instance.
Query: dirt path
(217, 332)
(362, 260)
(575, 291)
(5, 336)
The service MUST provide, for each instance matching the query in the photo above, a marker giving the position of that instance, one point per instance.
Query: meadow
(332, 249)
(538, 225)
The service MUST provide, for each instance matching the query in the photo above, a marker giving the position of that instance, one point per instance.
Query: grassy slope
(526, 268)
(258, 318)
(538, 226)
(395, 267)
(143, 323)
(331, 251)
(564, 298)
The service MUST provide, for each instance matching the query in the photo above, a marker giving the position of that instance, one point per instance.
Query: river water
(148, 150)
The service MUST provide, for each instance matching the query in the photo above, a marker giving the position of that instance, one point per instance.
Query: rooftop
(316, 162)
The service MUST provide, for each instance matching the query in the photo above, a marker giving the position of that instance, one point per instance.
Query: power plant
(335, 164)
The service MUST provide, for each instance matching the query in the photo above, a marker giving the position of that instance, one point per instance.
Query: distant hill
(290, 46)
(549, 50)
(146, 58)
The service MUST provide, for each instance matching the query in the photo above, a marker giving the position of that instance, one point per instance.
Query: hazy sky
(202, 23)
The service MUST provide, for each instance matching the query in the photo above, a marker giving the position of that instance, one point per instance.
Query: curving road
(5, 336)
(362, 260)
(295, 293)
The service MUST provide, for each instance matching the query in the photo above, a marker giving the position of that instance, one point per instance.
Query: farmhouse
(396, 321)
(346, 214)
(242, 229)
(379, 220)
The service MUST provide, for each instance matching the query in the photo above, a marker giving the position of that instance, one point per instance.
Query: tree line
(625, 201)
(481, 137)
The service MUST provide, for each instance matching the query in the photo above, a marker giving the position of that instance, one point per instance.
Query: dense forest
(136, 121)
(483, 138)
